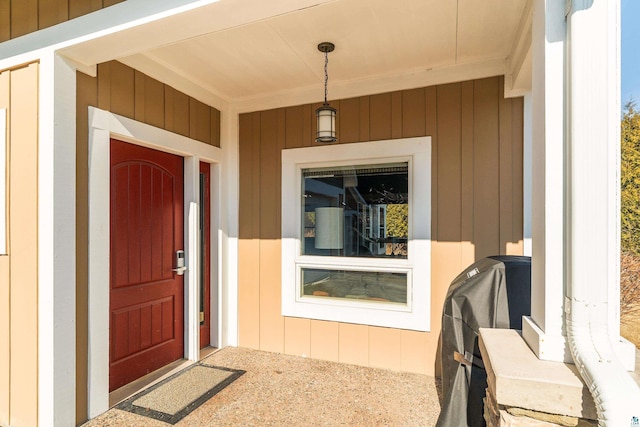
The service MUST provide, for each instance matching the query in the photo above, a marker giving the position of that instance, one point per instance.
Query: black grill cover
(494, 292)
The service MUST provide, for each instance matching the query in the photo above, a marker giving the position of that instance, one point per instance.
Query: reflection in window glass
(370, 286)
(356, 211)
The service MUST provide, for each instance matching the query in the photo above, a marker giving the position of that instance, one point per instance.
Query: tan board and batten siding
(476, 210)
(19, 268)
(20, 17)
(126, 92)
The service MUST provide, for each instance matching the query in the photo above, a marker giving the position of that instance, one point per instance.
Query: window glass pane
(386, 287)
(356, 211)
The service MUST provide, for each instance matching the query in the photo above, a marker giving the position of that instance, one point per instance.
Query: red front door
(146, 298)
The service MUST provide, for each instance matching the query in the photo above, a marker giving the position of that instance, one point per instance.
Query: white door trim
(104, 125)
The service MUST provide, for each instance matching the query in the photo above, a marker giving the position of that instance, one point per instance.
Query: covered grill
(494, 292)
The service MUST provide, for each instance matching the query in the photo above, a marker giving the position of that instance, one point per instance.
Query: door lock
(180, 267)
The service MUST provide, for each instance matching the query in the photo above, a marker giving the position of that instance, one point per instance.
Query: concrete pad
(518, 378)
(281, 390)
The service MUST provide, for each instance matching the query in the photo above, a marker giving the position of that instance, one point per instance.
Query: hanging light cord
(326, 74)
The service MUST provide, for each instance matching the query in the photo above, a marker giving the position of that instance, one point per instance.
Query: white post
(527, 160)
(57, 242)
(192, 249)
(543, 330)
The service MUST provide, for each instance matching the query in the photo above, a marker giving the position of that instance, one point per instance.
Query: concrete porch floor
(282, 390)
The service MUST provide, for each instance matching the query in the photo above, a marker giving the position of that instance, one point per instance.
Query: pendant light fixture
(326, 115)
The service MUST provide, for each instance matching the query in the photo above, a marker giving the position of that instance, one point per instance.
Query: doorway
(103, 126)
(146, 283)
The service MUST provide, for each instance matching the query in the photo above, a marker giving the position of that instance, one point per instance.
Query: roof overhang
(255, 54)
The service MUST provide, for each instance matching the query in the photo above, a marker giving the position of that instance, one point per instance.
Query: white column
(215, 239)
(543, 330)
(527, 170)
(192, 249)
(228, 233)
(57, 242)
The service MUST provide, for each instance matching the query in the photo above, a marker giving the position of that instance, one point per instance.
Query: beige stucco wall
(19, 269)
(476, 210)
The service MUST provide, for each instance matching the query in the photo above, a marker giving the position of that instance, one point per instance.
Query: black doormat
(175, 397)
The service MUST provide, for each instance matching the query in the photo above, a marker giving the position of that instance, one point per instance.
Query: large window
(356, 231)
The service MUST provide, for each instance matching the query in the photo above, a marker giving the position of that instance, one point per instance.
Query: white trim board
(104, 125)
(56, 241)
(104, 22)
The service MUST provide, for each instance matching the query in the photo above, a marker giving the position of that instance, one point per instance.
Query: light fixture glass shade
(329, 228)
(326, 124)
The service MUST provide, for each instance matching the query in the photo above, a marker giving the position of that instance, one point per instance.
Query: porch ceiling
(272, 56)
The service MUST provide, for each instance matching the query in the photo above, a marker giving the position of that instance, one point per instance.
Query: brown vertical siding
(5, 20)
(129, 93)
(87, 94)
(19, 269)
(151, 109)
(271, 322)
(467, 168)
(449, 124)
(176, 111)
(476, 209)
(20, 17)
(124, 91)
(248, 249)
(324, 340)
(353, 344)
(24, 17)
(486, 155)
(431, 129)
(349, 124)
(52, 12)
(514, 133)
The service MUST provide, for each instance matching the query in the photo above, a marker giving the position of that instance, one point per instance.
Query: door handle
(180, 267)
(180, 270)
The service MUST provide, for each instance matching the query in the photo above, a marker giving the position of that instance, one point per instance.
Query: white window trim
(3, 181)
(416, 314)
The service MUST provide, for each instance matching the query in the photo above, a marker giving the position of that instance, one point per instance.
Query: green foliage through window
(397, 220)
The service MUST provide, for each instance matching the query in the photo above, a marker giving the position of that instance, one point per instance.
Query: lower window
(364, 286)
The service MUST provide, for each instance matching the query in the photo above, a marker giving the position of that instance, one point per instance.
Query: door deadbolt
(180, 267)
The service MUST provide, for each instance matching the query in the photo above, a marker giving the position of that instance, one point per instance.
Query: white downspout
(616, 395)
(593, 135)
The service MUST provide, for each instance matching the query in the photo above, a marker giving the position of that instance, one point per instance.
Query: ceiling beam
(518, 68)
(409, 79)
